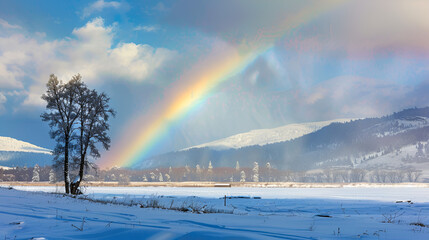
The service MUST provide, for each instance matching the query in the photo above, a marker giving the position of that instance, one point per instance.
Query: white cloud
(357, 96)
(26, 62)
(16, 52)
(7, 25)
(2, 101)
(146, 28)
(99, 6)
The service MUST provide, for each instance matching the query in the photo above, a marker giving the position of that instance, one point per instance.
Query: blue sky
(354, 60)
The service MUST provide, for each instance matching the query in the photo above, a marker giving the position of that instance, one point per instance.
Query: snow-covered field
(281, 213)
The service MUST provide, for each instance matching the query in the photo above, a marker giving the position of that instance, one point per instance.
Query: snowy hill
(8, 144)
(15, 153)
(397, 141)
(267, 136)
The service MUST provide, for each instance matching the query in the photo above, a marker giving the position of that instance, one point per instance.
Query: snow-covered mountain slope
(402, 158)
(15, 153)
(8, 144)
(266, 136)
(397, 126)
(363, 143)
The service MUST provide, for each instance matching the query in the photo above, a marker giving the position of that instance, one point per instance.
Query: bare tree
(412, 175)
(62, 113)
(78, 118)
(379, 176)
(328, 174)
(395, 176)
(93, 126)
(357, 175)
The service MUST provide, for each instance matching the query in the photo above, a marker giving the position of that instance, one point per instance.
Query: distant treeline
(222, 174)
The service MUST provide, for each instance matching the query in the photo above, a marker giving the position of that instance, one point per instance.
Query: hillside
(8, 144)
(14, 153)
(267, 136)
(391, 142)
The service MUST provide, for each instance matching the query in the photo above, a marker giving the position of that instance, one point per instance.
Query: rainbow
(145, 132)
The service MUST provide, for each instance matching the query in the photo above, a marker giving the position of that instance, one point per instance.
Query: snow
(396, 160)
(282, 213)
(397, 126)
(267, 136)
(5, 168)
(8, 144)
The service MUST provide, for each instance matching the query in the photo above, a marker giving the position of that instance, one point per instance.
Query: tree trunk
(75, 185)
(66, 165)
(82, 150)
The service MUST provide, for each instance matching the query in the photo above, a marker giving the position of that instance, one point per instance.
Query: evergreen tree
(152, 176)
(52, 176)
(198, 171)
(243, 176)
(210, 168)
(36, 177)
(268, 166)
(420, 150)
(167, 177)
(210, 171)
(255, 172)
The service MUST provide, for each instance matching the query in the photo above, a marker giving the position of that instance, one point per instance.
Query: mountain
(267, 136)
(14, 153)
(399, 140)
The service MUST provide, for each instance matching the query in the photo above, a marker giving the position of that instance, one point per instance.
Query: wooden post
(224, 202)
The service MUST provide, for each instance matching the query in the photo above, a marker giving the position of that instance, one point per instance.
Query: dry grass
(233, 184)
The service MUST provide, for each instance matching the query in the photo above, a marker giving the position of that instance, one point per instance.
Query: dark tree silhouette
(62, 113)
(78, 117)
(93, 126)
